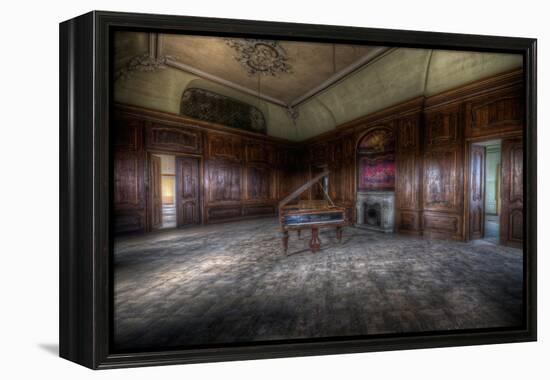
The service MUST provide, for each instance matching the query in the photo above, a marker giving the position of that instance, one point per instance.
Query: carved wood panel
(259, 183)
(259, 152)
(129, 191)
(441, 225)
(173, 139)
(336, 151)
(407, 136)
(222, 213)
(511, 218)
(407, 181)
(476, 192)
(127, 134)
(129, 181)
(408, 221)
(442, 127)
(442, 180)
(187, 191)
(287, 158)
(129, 221)
(223, 182)
(337, 183)
(318, 153)
(225, 147)
(497, 113)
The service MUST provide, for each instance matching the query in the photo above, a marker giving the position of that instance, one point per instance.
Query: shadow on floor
(52, 348)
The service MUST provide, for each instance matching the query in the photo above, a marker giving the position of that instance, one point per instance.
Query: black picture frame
(85, 181)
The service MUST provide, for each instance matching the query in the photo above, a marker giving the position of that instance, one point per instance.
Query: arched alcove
(376, 179)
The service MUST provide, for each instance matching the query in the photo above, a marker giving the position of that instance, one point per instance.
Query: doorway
(163, 191)
(174, 191)
(484, 190)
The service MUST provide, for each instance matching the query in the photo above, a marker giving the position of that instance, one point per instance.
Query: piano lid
(296, 193)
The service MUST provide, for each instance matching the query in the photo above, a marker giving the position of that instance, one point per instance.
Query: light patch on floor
(232, 283)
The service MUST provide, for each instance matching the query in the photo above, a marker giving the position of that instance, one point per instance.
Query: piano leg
(299, 233)
(315, 243)
(339, 234)
(285, 241)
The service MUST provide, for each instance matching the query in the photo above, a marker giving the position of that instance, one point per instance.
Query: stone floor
(232, 283)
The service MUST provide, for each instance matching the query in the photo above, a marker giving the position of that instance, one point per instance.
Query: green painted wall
(492, 160)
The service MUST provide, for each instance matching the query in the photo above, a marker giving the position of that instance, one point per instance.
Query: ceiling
(283, 72)
(305, 89)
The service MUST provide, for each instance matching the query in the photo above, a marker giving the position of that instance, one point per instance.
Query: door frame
(467, 169)
(149, 194)
(148, 206)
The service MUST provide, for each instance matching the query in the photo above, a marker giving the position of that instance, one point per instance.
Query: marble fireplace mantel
(375, 210)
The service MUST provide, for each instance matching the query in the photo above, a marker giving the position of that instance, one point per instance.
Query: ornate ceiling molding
(264, 57)
(142, 63)
(203, 74)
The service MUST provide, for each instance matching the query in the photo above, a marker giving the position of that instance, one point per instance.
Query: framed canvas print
(238, 189)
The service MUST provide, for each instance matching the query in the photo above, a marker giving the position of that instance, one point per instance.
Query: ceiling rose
(264, 57)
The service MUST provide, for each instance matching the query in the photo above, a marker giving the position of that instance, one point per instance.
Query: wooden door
(187, 191)
(155, 191)
(511, 193)
(477, 192)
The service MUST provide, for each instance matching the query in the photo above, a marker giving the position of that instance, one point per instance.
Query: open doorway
(174, 191)
(484, 191)
(163, 191)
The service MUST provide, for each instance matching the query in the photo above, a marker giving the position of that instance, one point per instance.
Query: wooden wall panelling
(511, 218)
(443, 192)
(128, 133)
(224, 186)
(408, 184)
(129, 191)
(259, 183)
(260, 178)
(225, 147)
(223, 182)
(441, 225)
(498, 112)
(259, 152)
(162, 137)
(238, 165)
(129, 175)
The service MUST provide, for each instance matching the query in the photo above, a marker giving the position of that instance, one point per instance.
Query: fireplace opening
(375, 210)
(372, 215)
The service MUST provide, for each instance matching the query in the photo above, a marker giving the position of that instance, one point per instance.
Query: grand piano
(311, 214)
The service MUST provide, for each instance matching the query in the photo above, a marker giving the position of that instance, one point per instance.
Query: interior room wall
(246, 174)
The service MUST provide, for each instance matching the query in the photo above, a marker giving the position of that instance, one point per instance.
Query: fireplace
(375, 210)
